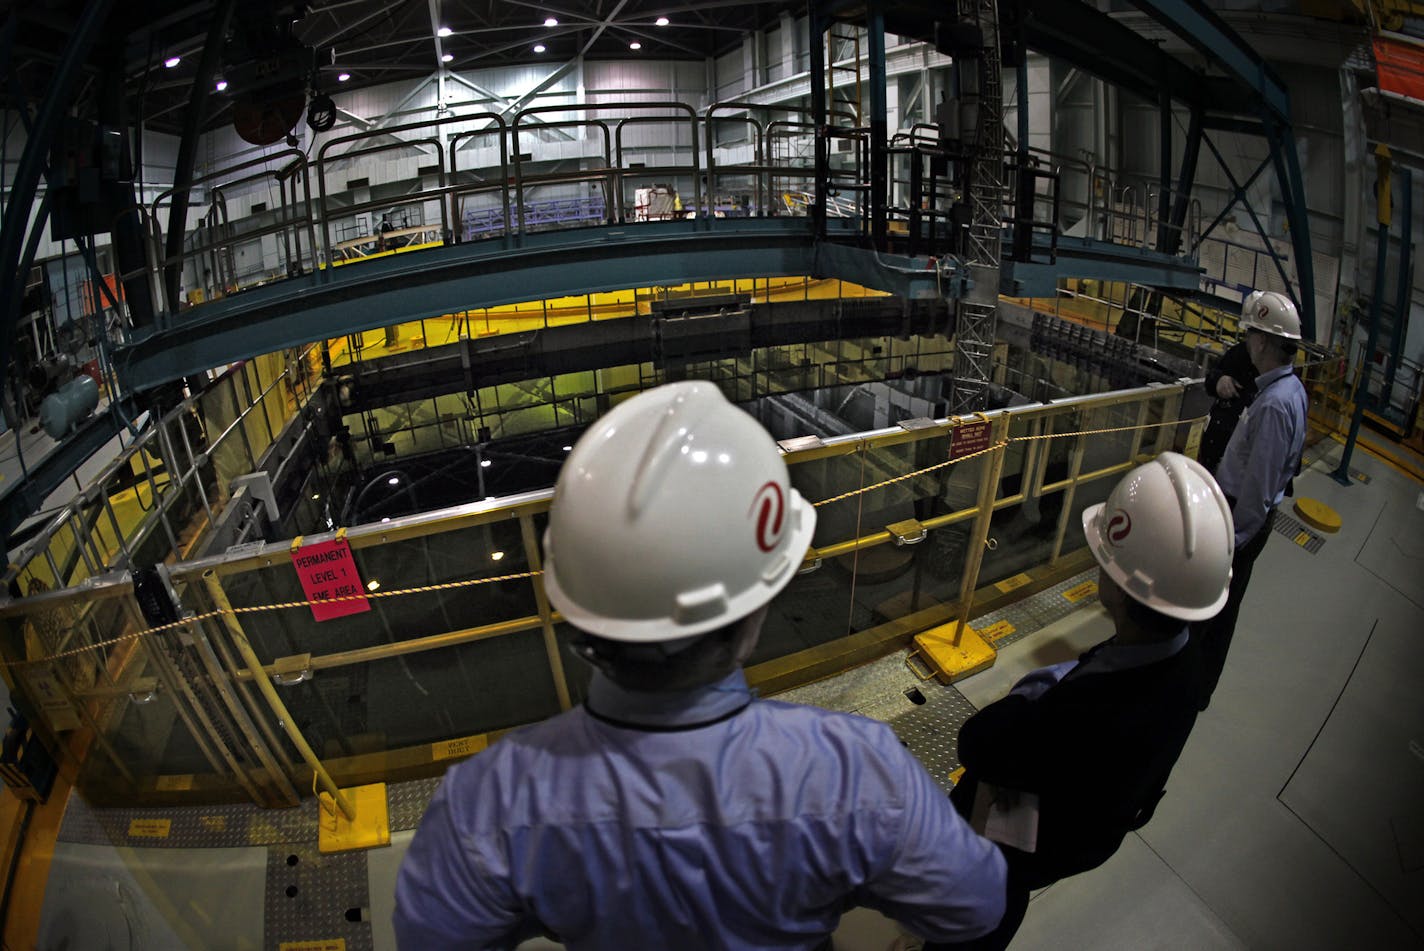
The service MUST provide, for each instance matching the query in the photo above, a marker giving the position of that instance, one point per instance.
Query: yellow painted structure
(1317, 515)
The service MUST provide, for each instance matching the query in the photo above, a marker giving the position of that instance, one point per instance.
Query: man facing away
(673, 809)
(1078, 754)
(1261, 458)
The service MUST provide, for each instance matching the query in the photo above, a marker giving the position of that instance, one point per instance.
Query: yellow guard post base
(372, 827)
(1318, 515)
(950, 663)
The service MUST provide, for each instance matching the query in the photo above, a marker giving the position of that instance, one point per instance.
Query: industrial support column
(1383, 215)
(976, 325)
(879, 126)
(818, 23)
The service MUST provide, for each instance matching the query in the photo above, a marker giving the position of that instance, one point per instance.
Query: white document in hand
(1006, 816)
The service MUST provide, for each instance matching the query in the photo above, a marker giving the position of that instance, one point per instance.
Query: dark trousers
(1213, 637)
(1015, 907)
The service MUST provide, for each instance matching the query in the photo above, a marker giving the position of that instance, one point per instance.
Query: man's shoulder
(799, 717)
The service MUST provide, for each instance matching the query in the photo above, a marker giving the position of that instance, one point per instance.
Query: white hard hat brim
(669, 627)
(1092, 531)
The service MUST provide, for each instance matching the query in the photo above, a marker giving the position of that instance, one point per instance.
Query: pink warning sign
(327, 570)
(967, 439)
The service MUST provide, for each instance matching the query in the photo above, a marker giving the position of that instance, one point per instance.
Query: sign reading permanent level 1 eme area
(968, 438)
(327, 571)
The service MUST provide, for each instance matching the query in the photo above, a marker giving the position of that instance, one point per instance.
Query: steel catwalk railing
(476, 596)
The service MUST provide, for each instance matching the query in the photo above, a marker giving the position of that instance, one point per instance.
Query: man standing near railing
(1078, 754)
(674, 809)
(1261, 459)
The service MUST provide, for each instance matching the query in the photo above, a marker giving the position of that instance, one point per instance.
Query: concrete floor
(1295, 818)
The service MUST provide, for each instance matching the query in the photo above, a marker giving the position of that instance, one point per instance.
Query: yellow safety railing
(457, 643)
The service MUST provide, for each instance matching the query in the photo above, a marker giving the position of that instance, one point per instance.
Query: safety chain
(450, 585)
(255, 608)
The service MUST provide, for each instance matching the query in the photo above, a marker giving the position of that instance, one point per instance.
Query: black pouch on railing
(153, 598)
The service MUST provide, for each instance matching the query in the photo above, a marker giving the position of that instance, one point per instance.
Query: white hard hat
(1270, 312)
(673, 516)
(1165, 535)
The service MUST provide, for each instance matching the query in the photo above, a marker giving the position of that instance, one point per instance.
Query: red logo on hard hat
(1119, 527)
(769, 504)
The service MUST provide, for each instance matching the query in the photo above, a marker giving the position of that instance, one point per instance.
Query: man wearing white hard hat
(1078, 754)
(673, 809)
(1261, 458)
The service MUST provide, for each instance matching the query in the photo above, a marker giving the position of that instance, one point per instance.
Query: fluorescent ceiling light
(172, 61)
(635, 45)
(445, 58)
(551, 21)
(444, 31)
(538, 47)
(661, 21)
(342, 77)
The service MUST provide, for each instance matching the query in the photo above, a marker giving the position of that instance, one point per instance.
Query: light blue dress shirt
(699, 820)
(1264, 450)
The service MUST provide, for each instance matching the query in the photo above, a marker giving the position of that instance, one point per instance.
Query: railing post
(1075, 469)
(269, 693)
(990, 470)
(546, 618)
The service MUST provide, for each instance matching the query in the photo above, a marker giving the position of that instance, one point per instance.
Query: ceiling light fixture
(635, 45)
(222, 84)
(444, 31)
(661, 21)
(172, 61)
(496, 555)
(551, 21)
(342, 77)
(445, 58)
(485, 463)
(538, 47)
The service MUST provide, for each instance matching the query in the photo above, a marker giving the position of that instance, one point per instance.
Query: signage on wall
(327, 570)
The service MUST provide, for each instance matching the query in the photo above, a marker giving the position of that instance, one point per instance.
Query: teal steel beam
(1186, 175)
(498, 271)
(1101, 260)
(1101, 46)
(1287, 163)
(33, 161)
(1164, 164)
(1216, 123)
(188, 150)
(1209, 35)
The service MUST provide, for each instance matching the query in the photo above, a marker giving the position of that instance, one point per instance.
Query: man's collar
(1271, 376)
(679, 710)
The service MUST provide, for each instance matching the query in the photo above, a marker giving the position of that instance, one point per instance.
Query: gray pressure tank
(63, 409)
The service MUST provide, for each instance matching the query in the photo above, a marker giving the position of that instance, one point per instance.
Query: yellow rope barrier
(995, 448)
(256, 608)
(470, 582)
